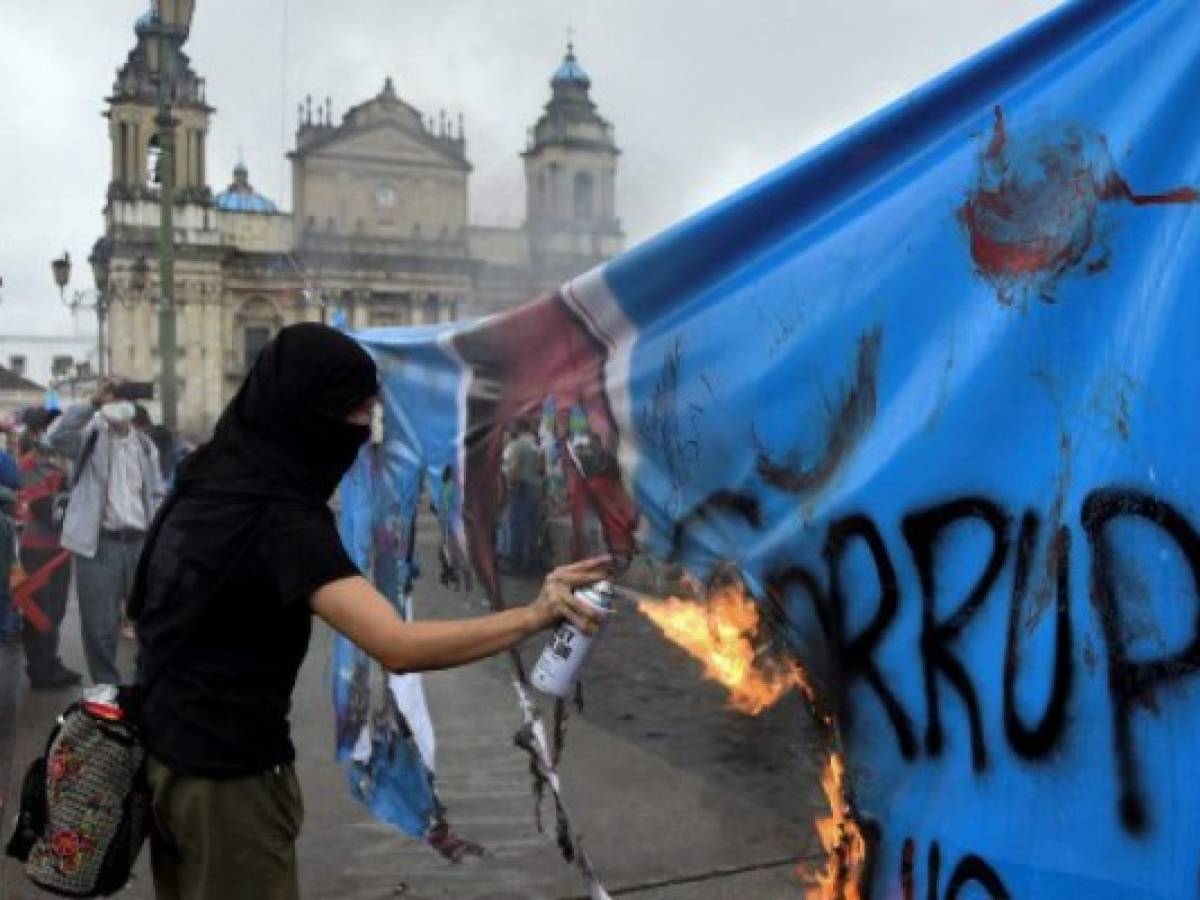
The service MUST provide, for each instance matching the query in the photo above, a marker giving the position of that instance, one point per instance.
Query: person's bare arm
(353, 607)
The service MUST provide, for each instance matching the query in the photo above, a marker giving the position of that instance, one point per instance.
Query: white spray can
(558, 667)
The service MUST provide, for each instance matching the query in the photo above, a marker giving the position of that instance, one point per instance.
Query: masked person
(117, 488)
(242, 555)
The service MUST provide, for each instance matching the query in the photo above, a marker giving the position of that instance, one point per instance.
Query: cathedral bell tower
(133, 134)
(570, 180)
(162, 274)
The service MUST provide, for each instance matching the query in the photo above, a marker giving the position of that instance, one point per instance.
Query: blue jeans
(104, 583)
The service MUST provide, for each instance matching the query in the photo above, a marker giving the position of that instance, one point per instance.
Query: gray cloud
(705, 94)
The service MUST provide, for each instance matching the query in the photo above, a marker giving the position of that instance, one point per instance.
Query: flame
(723, 634)
(842, 839)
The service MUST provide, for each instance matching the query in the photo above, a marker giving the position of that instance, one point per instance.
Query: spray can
(559, 666)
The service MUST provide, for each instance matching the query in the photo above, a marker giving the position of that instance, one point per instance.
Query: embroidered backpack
(84, 804)
(83, 808)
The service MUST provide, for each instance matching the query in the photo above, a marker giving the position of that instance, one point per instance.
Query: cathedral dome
(570, 73)
(241, 197)
(146, 20)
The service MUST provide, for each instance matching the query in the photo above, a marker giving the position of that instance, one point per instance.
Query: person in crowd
(141, 419)
(43, 482)
(523, 471)
(555, 483)
(168, 451)
(503, 533)
(35, 422)
(117, 488)
(242, 555)
(10, 619)
(10, 474)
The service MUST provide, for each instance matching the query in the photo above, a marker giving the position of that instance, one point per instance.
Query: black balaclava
(285, 430)
(283, 437)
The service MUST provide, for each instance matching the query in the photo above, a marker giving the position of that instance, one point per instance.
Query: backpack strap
(85, 456)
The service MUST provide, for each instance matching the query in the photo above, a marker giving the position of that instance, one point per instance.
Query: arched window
(555, 199)
(585, 190)
(153, 153)
(256, 321)
(254, 338)
(122, 153)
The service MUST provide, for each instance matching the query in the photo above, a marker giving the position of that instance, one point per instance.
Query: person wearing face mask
(117, 489)
(242, 555)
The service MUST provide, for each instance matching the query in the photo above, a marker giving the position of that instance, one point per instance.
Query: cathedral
(379, 233)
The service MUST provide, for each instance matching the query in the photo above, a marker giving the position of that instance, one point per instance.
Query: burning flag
(928, 388)
(842, 840)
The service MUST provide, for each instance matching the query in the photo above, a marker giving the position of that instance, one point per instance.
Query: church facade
(379, 233)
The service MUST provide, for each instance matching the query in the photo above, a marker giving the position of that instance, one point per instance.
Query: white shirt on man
(124, 508)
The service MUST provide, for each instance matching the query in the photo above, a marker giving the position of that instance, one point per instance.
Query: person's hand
(555, 602)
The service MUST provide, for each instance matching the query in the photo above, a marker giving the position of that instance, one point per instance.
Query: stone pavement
(675, 796)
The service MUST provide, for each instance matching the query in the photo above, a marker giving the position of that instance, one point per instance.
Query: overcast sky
(705, 94)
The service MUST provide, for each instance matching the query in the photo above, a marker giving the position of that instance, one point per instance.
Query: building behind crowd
(49, 359)
(16, 393)
(379, 233)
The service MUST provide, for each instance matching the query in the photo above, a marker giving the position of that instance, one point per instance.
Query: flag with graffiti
(930, 391)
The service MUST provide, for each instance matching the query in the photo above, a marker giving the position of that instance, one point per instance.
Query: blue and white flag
(932, 390)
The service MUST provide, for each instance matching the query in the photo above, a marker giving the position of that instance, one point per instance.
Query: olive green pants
(224, 839)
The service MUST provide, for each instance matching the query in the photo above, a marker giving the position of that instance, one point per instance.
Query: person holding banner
(242, 555)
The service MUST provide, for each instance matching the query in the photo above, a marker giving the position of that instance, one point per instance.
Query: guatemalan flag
(933, 389)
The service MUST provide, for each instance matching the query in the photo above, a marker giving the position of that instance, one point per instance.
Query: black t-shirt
(220, 707)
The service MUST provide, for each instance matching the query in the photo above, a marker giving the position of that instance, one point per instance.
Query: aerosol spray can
(558, 667)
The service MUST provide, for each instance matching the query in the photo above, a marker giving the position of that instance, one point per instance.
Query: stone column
(200, 174)
(135, 153)
(116, 135)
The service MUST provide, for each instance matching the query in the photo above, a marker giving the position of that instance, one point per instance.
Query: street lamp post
(172, 20)
(99, 298)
